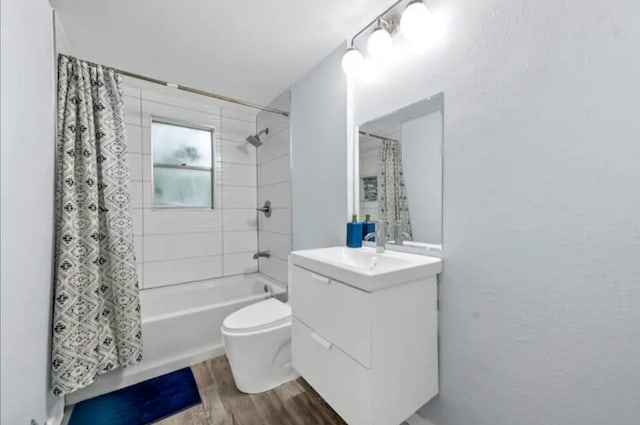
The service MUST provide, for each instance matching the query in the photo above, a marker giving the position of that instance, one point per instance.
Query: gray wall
(540, 298)
(319, 156)
(27, 109)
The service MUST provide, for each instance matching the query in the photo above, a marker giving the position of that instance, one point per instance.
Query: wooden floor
(294, 403)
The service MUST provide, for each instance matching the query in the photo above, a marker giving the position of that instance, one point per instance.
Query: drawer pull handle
(320, 340)
(320, 278)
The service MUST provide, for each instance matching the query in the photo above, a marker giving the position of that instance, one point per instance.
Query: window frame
(185, 124)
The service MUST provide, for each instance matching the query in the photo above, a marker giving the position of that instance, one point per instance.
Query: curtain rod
(191, 89)
(375, 136)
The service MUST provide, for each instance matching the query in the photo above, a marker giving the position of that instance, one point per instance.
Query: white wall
(176, 246)
(27, 117)
(422, 164)
(274, 184)
(540, 298)
(319, 151)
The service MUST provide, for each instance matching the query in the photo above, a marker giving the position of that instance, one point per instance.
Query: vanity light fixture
(379, 43)
(415, 21)
(352, 61)
(413, 24)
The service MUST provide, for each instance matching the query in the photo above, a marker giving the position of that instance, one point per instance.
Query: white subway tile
(239, 113)
(132, 113)
(134, 138)
(278, 244)
(189, 116)
(137, 246)
(172, 272)
(275, 146)
(147, 167)
(239, 219)
(275, 123)
(279, 195)
(240, 263)
(136, 215)
(147, 195)
(238, 152)
(246, 241)
(135, 166)
(275, 171)
(186, 245)
(130, 91)
(171, 221)
(146, 140)
(274, 268)
(136, 195)
(238, 174)
(237, 130)
(183, 100)
(279, 222)
(239, 197)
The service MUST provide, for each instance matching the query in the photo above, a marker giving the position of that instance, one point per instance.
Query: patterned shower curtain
(392, 204)
(96, 318)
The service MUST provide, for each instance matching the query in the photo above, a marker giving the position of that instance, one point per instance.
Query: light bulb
(414, 22)
(352, 61)
(379, 43)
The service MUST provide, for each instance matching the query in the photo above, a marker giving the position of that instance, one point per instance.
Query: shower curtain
(96, 313)
(392, 204)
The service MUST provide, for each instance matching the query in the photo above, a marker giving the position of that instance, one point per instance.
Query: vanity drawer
(341, 381)
(340, 313)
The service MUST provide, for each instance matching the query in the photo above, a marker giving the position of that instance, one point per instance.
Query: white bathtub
(181, 327)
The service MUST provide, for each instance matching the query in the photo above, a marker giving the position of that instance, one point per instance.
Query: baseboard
(57, 413)
(418, 420)
(135, 374)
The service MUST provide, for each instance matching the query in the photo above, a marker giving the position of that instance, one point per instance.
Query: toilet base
(261, 360)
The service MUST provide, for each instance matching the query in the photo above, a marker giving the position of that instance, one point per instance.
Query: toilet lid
(261, 315)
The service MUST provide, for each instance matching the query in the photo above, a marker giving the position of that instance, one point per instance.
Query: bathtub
(181, 327)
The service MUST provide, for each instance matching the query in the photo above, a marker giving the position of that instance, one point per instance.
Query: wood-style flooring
(294, 403)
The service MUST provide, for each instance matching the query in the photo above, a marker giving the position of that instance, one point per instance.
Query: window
(182, 165)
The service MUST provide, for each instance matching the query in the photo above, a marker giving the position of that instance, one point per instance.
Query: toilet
(257, 341)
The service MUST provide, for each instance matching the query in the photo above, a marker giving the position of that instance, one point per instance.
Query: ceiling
(249, 49)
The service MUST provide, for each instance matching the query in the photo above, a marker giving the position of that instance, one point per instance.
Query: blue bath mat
(142, 403)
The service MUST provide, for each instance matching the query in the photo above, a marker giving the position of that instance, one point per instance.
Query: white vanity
(365, 330)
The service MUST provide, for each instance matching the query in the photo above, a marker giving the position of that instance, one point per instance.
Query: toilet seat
(265, 314)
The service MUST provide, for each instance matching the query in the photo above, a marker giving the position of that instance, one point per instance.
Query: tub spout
(265, 254)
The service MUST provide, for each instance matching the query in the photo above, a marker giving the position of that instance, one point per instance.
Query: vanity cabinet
(373, 356)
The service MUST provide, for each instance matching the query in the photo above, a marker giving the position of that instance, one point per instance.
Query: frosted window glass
(180, 188)
(182, 166)
(174, 144)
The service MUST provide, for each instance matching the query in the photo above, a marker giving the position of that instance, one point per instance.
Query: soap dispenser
(368, 227)
(354, 233)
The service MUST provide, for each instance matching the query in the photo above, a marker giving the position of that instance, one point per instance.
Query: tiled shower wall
(183, 245)
(274, 184)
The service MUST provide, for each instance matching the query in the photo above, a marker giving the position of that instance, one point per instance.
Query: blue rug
(142, 403)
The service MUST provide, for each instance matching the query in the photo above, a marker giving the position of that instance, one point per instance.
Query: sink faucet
(380, 235)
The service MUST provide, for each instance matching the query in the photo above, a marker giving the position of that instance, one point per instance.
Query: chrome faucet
(265, 254)
(381, 236)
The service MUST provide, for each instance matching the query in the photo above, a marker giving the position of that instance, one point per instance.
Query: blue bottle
(368, 227)
(354, 233)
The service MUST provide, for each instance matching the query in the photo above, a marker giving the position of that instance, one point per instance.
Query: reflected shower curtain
(96, 313)
(392, 203)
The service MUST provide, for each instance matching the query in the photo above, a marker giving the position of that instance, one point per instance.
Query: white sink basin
(366, 269)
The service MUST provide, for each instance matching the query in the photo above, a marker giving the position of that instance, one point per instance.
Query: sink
(366, 269)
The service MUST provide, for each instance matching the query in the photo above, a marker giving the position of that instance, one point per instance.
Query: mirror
(400, 174)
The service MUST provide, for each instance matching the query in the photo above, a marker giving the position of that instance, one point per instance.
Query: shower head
(255, 139)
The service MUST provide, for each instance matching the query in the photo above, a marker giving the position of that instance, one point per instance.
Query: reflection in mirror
(401, 173)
